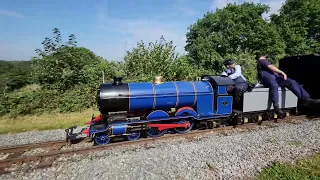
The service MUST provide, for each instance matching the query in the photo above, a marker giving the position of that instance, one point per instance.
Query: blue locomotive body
(196, 94)
(207, 97)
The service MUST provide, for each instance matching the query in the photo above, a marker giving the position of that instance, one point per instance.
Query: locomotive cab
(223, 101)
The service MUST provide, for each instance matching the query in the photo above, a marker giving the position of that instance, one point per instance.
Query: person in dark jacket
(233, 71)
(272, 77)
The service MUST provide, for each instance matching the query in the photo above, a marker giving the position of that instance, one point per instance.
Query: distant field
(44, 122)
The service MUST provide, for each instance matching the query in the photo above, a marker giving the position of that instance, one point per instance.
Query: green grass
(308, 168)
(44, 122)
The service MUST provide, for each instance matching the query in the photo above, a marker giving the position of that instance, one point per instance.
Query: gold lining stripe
(212, 96)
(154, 96)
(111, 130)
(195, 93)
(129, 96)
(218, 104)
(177, 90)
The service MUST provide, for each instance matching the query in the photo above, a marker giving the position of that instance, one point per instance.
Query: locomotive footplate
(71, 136)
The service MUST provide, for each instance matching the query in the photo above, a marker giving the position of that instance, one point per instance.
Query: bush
(37, 101)
(76, 100)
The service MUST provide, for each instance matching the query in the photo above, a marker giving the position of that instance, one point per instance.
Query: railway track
(18, 155)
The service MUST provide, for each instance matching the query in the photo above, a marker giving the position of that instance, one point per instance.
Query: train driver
(233, 71)
(271, 77)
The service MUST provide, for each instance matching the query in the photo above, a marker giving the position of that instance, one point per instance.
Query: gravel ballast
(31, 137)
(235, 156)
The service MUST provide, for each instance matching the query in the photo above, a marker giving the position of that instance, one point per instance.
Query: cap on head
(228, 62)
(258, 55)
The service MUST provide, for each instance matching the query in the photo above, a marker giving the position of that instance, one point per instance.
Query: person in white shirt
(233, 71)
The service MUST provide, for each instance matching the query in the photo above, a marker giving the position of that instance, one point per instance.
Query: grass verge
(44, 121)
(308, 168)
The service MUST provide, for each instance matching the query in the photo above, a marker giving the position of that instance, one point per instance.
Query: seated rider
(271, 77)
(233, 71)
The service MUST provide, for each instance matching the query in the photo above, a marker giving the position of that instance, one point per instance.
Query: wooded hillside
(64, 77)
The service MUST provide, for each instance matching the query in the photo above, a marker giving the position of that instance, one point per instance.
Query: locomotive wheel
(102, 138)
(134, 136)
(154, 132)
(184, 130)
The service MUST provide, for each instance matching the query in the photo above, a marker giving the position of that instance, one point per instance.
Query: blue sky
(107, 27)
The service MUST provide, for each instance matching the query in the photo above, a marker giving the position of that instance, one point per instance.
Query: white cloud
(187, 11)
(136, 30)
(275, 5)
(11, 13)
(148, 29)
(180, 7)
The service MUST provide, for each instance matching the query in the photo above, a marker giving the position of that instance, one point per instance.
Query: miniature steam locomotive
(153, 108)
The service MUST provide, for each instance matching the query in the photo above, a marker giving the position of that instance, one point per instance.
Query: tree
(115, 69)
(231, 30)
(64, 66)
(14, 75)
(183, 70)
(299, 25)
(52, 45)
(143, 63)
(67, 78)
